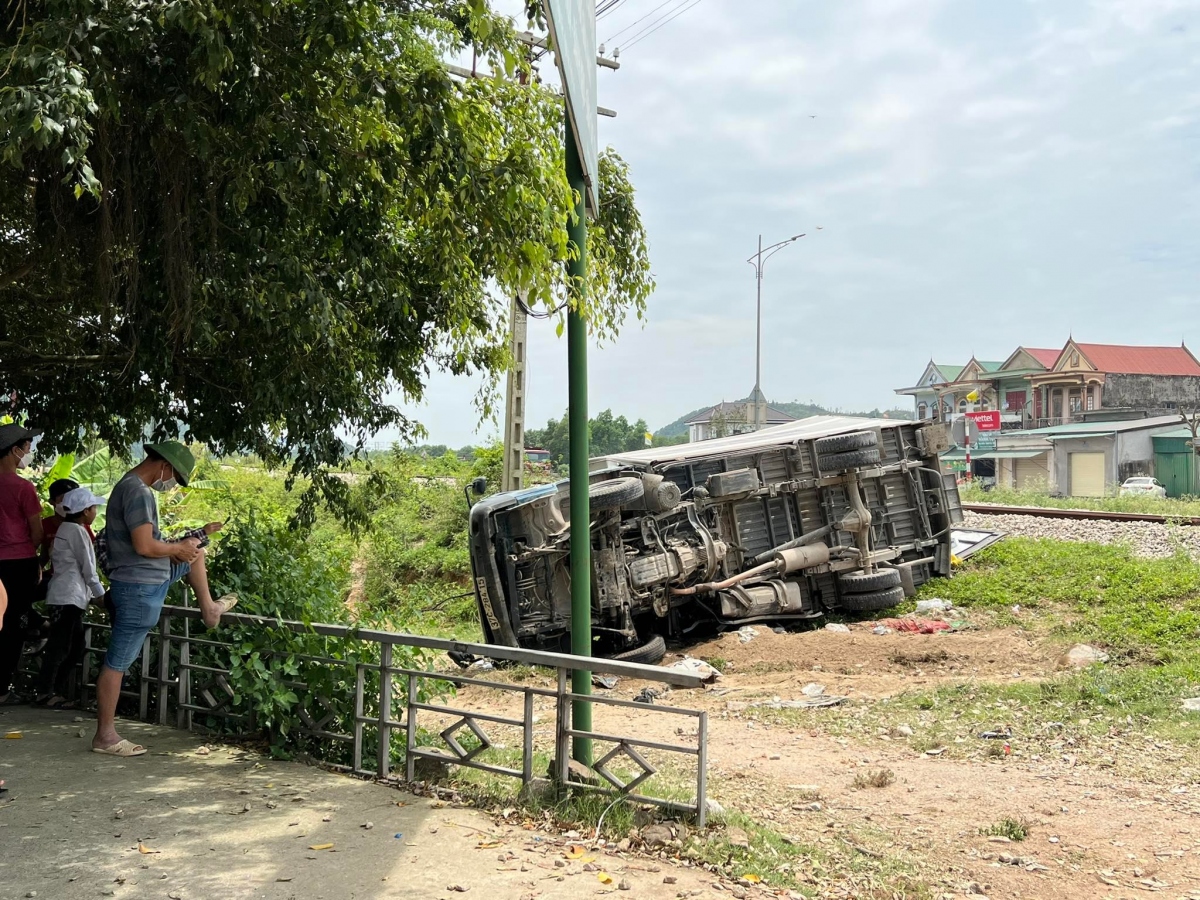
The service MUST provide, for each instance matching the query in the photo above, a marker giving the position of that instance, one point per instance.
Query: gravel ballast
(1145, 538)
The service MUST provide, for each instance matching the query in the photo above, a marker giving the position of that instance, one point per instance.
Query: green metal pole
(577, 411)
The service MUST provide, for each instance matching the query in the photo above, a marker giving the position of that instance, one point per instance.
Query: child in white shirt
(73, 586)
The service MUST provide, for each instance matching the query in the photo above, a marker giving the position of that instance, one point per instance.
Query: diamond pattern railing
(169, 682)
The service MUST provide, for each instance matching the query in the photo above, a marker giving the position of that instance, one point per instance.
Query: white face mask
(165, 484)
(25, 461)
(58, 508)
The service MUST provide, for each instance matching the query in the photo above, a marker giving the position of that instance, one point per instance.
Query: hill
(678, 428)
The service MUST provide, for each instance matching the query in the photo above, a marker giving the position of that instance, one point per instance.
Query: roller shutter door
(1087, 475)
(1032, 474)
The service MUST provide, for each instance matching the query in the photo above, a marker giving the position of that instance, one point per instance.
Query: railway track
(1046, 512)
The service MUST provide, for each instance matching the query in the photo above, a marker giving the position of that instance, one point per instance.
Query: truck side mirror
(479, 486)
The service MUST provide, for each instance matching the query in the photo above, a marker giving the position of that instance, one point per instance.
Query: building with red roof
(1038, 387)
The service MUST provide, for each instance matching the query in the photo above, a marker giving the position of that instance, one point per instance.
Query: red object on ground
(917, 626)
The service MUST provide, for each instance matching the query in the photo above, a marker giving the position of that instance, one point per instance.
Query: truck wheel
(840, 443)
(870, 602)
(864, 583)
(650, 653)
(615, 492)
(855, 459)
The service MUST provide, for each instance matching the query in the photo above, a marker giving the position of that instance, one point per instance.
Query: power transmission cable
(635, 21)
(608, 8)
(642, 35)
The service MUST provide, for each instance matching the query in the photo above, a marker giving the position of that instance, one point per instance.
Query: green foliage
(1170, 506)
(1142, 608)
(275, 672)
(256, 219)
(607, 434)
(1013, 829)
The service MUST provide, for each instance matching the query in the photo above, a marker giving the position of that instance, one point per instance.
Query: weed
(718, 663)
(1013, 829)
(876, 778)
(918, 658)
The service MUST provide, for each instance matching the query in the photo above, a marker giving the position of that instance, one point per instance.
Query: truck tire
(650, 653)
(854, 459)
(615, 492)
(873, 601)
(840, 443)
(864, 583)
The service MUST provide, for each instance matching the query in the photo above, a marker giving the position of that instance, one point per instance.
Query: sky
(983, 175)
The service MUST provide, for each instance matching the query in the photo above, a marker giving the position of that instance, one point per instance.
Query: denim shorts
(138, 607)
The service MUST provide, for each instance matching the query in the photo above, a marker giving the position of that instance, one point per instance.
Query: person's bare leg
(108, 690)
(197, 577)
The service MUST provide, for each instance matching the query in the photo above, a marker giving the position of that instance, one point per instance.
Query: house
(1079, 459)
(1036, 387)
(925, 392)
(737, 417)
(1111, 377)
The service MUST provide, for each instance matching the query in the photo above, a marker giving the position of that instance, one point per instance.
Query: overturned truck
(782, 525)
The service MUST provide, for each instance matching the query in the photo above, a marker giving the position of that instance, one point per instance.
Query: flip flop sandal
(57, 701)
(227, 602)
(121, 748)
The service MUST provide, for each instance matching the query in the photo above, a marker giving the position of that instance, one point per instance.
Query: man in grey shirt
(141, 568)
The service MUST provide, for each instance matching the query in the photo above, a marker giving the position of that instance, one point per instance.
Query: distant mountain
(678, 428)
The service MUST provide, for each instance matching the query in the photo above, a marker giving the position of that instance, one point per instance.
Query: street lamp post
(759, 260)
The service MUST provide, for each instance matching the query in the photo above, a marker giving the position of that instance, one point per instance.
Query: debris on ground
(934, 604)
(838, 626)
(917, 626)
(693, 666)
(747, 633)
(1081, 656)
(647, 695)
(608, 682)
(1192, 704)
(812, 689)
(481, 665)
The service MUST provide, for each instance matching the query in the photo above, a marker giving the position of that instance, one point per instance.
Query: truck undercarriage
(781, 525)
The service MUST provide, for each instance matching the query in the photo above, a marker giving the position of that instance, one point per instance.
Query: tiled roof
(990, 366)
(951, 372)
(1046, 357)
(1141, 360)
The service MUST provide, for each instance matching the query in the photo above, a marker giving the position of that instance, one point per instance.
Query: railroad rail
(1049, 512)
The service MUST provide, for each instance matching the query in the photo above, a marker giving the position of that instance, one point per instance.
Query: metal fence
(187, 681)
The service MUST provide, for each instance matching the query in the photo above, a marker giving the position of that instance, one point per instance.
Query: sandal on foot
(227, 602)
(121, 748)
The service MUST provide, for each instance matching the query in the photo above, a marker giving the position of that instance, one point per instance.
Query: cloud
(987, 174)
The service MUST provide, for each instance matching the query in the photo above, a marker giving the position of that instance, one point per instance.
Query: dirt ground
(1092, 832)
(225, 824)
(875, 665)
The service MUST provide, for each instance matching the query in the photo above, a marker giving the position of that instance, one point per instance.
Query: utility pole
(759, 261)
(513, 472)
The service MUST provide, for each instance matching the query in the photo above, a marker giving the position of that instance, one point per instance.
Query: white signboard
(573, 36)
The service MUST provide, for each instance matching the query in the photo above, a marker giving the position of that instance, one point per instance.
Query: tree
(607, 434)
(253, 219)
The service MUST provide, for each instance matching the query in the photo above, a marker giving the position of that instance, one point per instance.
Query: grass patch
(1013, 829)
(1145, 610)
(874, 778)
(1171, 506)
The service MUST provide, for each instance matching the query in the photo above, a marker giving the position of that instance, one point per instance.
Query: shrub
(277, 676)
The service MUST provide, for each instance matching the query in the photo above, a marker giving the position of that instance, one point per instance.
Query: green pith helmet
(179, 456)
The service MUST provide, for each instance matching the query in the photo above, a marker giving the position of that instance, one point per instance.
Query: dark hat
(11, 435)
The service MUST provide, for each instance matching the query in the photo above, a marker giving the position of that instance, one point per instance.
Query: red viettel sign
(986, 420)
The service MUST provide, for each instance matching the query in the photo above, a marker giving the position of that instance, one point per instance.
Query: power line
(608, 7)
(635, 21)
(642, 35)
